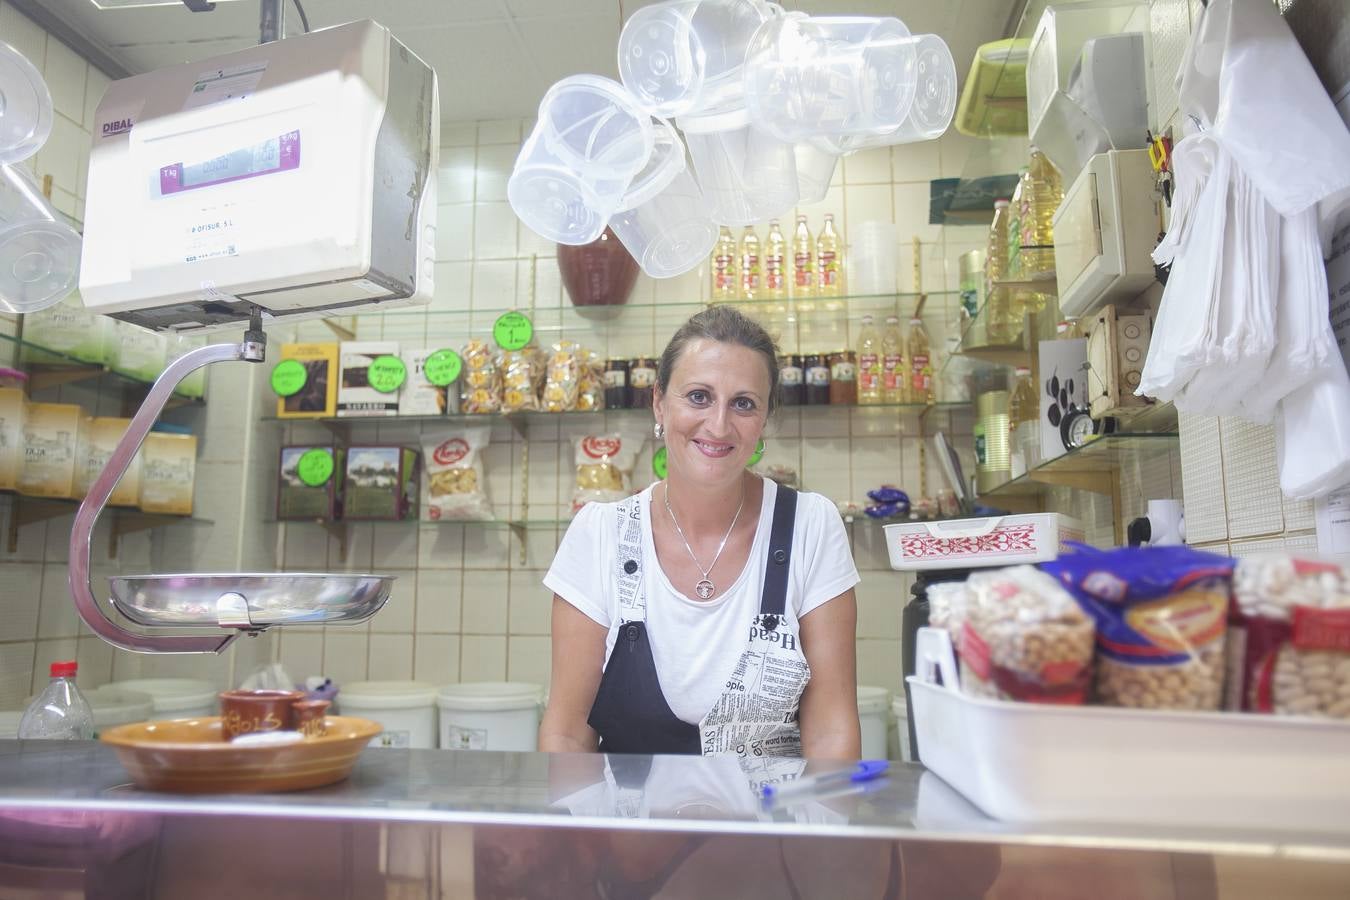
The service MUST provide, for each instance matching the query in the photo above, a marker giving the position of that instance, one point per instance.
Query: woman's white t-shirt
(696, 644)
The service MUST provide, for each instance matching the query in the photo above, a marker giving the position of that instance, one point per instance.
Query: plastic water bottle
(60, 712)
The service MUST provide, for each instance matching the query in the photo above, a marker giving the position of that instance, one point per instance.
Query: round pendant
(704, 589)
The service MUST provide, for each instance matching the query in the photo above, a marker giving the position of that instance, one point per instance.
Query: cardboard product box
(98, 439)
(69, 329)
(318, 398)
(51, 439)
(1062, 365)
(419, 397)
(136, 352)
(380, 483)
(298, 499)
(13, 412)
(355, 395)
(168, 473)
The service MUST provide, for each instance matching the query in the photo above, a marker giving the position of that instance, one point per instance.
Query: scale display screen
(277, 154)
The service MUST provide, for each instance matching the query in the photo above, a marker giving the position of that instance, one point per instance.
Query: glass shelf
(50, 368)
(1093, 467)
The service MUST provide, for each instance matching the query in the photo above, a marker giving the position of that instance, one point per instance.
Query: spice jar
(816, 374)
(641, 379)
(616, 384)
(843, 378)
(791, 386)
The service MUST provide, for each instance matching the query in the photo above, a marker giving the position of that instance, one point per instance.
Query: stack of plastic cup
(575, 167)
(747, 174)
(663, 219)
(685, 56)
(808, 76)
(39, 251)
(871, 266)
(815, 171)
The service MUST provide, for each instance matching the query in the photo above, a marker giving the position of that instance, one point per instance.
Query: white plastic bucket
(490, 715)
(900, 716)
(815, 171)
(747, 174)
(405, 709)
(174, 698)
(874, 705)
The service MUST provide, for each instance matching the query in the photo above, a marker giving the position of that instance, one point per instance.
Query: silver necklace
(705, 588)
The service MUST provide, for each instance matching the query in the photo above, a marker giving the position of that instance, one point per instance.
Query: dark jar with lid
(816, 374)
(641, 380)
(791, 380)
(616, 384)
(843, 378)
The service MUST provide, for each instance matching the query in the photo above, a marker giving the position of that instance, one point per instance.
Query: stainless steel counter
(404, 817)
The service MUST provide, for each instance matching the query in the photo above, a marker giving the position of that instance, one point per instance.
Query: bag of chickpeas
(1022, 637)
(1161, 615)
(1292, 636)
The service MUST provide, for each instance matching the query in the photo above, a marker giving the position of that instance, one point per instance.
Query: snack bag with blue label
(1161, 616)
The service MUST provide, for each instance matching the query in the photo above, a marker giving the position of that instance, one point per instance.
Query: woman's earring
(659, 430)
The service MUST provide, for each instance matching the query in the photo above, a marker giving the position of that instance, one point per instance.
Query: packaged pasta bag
(521, 372)
(480, 380)
(562, 379)
(605, 465)
(456, 485)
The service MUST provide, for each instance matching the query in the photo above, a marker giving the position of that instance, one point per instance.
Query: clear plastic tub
(747, 174)
(39, 253)
(573, 170)
(685, 56)
(664, 220)
(815, 171)
(26, 111)
(807, 76)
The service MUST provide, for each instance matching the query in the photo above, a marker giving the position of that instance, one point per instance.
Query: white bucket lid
(872, 699)
(171, 694)
(490, 696)
(387, 694)
(9, 723)
(664, 166)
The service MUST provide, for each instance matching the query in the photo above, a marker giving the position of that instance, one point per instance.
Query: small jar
(791, 383)
(641, 380)
(843, 378)
(616, 384)
(12, 378)
(816, 374)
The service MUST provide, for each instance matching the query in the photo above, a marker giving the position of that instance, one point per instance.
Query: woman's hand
(829, 708)
(578, 661)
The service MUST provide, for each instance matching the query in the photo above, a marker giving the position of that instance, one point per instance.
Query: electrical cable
(304, 19)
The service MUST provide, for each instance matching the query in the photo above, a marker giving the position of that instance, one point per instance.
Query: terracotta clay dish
(192, 756)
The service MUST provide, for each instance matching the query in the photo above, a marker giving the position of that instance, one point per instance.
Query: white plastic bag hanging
(1312, 435)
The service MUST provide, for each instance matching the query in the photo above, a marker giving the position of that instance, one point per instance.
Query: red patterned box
(980, 543)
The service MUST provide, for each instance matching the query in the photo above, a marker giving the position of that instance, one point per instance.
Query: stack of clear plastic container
(762, 102)
(39, 250)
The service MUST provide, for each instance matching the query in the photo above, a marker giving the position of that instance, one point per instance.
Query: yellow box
(99, 439)
(13, 411)
(51, 439)
(168, 473)
(318, 398)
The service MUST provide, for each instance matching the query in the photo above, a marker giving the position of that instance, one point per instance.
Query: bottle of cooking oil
(751, 287)
(997, 307)
(869, 364)
(1013, 224)
(893, 364)
(1042, 193)
(803, 261)
(1023, 423)
(829, 263)
(775, 264)
(725, 284)
(920, 363)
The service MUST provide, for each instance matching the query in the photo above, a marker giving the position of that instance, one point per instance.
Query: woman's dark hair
(728, 326)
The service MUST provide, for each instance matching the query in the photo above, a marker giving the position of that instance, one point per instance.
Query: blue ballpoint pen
(867, 770)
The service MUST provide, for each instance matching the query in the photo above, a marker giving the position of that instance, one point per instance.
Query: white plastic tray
(1026, 762)
(979, 542)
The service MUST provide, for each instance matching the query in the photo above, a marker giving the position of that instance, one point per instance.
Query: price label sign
(315, 467)
(289, 377)
(659, 467)
(386, 374)
(512, 330)
(442, 367)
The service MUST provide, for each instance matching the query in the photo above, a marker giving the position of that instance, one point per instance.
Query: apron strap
(628, 562)
(773, 602)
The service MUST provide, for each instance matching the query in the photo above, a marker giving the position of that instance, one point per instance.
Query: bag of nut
(1024, 637)
(455, 486)
(1161, 614)
(605, 464)
(1291, 636)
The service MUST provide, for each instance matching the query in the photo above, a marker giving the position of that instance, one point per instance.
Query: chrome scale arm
(251, 349)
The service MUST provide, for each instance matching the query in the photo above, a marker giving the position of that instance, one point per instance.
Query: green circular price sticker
(512, 330)
(289, 377)
(659, 462)
(442, 367)
(386, 374)
(315, 467)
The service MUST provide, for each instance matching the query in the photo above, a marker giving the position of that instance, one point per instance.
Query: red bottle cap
(64, 669)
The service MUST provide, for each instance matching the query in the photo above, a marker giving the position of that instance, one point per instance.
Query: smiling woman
(713, 612)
